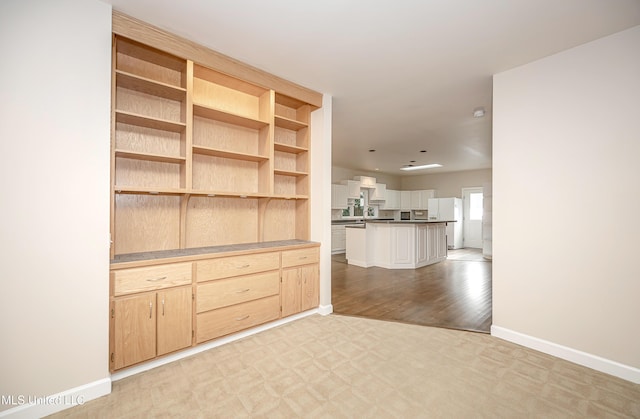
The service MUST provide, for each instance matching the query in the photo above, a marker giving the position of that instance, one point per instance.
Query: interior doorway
(472, 202)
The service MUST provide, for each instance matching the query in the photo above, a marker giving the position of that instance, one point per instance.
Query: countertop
(194, 252)
(362, 225)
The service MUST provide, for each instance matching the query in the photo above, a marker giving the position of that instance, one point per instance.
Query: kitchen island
(396, 244)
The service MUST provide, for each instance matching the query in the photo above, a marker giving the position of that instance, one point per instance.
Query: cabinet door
(290, 292)
(134, 329)
(174, 329)
(432, 242)
(421, 244)
(405, 200)
(310, 287)
(442, 240)
(353, 189)
(339, 197)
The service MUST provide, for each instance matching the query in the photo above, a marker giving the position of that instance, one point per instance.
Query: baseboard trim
(594, 362)
(32, 406)
(325, 310)
(209, 345)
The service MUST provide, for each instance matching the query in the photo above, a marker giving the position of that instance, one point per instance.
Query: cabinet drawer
(236, 265)
(127, 281)
(230, 291)
(224, 321)
(300, 257)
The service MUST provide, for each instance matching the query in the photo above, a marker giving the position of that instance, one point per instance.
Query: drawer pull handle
(239, 319)
(244, 266)
(243, 291)
(150, 309)
(303, 257)
(157, 279)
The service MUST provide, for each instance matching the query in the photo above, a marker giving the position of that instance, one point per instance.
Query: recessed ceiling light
(412, 161)
(478, 112)
(424, 166)
(423, 151)
(371, 151)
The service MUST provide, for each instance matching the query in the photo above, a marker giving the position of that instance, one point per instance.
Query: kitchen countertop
(363, 225)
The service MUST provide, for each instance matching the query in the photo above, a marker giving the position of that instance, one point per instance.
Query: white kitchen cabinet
(379, 193)
(403, 242)
(405, 200)
(338, 239)
(366, 181)
(353, 188)
(393, 200)
(420, 199)
(339, 197)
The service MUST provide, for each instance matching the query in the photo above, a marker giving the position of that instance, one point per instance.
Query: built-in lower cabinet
(165, 307)
(150, 324)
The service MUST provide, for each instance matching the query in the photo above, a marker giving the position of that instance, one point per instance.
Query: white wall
(54, 228)
(321, 195)
(566, 201)
(449, 184)
(340, 173)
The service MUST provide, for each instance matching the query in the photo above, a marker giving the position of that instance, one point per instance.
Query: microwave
(420, 215)
(405, 215)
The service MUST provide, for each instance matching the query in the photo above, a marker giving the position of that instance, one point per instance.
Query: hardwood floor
(454, 294)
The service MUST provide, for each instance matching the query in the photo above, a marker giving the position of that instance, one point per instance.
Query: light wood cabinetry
(150, 324)
(201, 158)
(210, 165)
(231, 294)
(300, 281)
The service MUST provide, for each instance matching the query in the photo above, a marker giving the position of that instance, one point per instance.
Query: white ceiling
(405, 75)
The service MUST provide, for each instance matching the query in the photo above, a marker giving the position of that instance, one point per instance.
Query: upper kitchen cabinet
(379, 193)
(353, 188)
(420, 199)
(339, 197)
(366, 181)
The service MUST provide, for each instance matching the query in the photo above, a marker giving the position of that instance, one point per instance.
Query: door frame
(465, 214)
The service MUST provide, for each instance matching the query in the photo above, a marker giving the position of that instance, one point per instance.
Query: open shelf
(289, 173)
(149, 86)
(289, 148)
(132, 190)
(208, 151)
(223, 116)
(148, 121)
(291, 124)
(149, 157)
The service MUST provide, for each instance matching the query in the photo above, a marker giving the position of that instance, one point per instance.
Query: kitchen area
(398, 253)
(393, 229)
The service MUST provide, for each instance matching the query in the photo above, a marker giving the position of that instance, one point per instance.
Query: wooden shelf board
(149, 122)
(227, 194)
(289, 148)
(152, 87)
(228, 154)
(289, 173)
(222, 116)
(150, 157)
(296, 197)
(287, 123)
(132, 190)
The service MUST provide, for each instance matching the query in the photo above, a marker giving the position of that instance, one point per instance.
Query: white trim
(325, 310)
(41, 406)
(207, 345)
(607, 366)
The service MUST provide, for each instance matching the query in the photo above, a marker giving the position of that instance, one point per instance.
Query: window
(475, 206)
